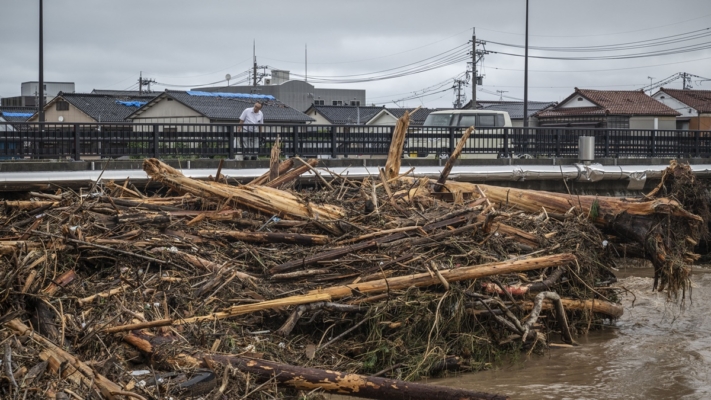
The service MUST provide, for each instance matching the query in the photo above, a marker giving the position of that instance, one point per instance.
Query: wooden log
(264, 178)
(266, 200)
(144, 218)
(293, 174)
(301, 378)
(274, 160)
(138, 203)
(452, 159)
(83, 372)
(29, 205)
(103, 295)
(250, 308)
(451, 275)
(598, 306)
(397, 144)
(140, 325)
(339, 252)
(60, 282)
(267, 237)
(208, 265)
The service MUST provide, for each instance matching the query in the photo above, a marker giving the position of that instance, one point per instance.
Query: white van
(432, 139)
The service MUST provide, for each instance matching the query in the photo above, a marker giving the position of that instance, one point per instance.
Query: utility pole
(306, 62)
(474, 74)
(254, 66)
(683, 78)
(144, 82)
(40, 89)
(651, 78)
(525, 76)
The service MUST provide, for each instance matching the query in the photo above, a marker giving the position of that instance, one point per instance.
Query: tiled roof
(125, 93)
(226, 108)
(700, 100)
(16, 110)
(102, 108)
(515, 108)
(613, 102)
(347, 114)
(571, 111)
(418, 118)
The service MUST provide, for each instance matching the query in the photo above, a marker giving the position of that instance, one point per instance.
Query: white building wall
(577, 101)
(685, 110)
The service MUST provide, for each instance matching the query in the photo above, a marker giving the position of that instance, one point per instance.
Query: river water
(655, 351)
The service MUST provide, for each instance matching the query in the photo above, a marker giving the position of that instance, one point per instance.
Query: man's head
(257, 107)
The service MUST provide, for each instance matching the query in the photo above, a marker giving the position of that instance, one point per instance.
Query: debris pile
(203, 289)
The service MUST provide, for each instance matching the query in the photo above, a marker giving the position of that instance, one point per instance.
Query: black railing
(84, 141)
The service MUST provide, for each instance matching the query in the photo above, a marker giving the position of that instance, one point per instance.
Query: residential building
(694, 107)
(16, 114)
(389, 116)
(297, 94)
(609, 109)
(342, 115)
(515, 110)
(179, 107)
(91, 108)
(29, 95)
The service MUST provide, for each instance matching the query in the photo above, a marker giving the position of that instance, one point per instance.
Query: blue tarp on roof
(131, 103)
(17, 114)
(232, 95)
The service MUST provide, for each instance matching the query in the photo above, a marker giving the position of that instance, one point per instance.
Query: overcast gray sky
(104, 44)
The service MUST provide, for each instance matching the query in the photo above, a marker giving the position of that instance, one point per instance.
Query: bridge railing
(105, 140)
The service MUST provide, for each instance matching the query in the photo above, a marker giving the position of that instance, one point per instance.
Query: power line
(606, 69)
(680, 50)
(601, 34)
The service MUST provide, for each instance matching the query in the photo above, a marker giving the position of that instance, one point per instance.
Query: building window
(580, 99)
(62, 105)
(319, 102)
(337, 103)
(355, 103)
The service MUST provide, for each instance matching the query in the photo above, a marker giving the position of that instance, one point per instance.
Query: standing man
(250, 141)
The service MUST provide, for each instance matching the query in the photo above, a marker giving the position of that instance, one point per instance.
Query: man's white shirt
(250, 117)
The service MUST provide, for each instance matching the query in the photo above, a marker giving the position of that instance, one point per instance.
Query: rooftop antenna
(651, 78)
(501, 94)
(228, 77)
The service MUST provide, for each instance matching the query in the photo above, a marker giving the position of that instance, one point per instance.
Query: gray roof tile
(347, 114)
(102, 108)
(225, 108)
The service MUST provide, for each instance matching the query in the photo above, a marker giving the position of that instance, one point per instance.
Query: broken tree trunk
(452, 159)
(642, 221)
(397, 144)
(264, 178)
(274, 160)
(293, 174)
(266, 200)
(158, 348)
(451, 275)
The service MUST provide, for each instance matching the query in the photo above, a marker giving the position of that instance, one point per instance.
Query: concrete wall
(51, 88)
(647, 122)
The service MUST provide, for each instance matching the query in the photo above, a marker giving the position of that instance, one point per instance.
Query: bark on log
(82, 372)
(293, 174)
(29, 205)
(338, 252)
(264, 178)
(301, 378)
(594, 305)
(452, 159)
(451, 275)
(266, 200)
(397, 144)
(267, 237)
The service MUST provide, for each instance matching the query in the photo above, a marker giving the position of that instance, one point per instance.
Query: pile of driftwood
(204, 289)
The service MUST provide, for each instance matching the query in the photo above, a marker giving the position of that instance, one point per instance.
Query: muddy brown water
(655, 351)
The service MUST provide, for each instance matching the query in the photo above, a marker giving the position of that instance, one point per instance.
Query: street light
(40, 89)
(525, 76)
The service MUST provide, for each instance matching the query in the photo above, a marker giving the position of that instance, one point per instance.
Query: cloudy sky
(181, 44)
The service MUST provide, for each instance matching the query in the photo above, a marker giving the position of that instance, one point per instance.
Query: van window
(500, 120)
(487, 121)
(438, 120)
(467, 120)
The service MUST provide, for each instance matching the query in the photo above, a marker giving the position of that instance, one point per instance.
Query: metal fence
(90, 141)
